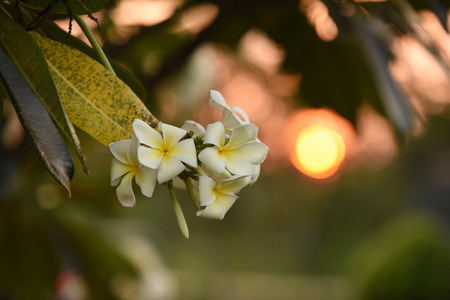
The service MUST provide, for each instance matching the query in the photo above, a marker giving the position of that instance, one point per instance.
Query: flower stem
(94, 43)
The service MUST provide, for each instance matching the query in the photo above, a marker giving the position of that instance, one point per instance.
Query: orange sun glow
(319, 140)
(319, 151)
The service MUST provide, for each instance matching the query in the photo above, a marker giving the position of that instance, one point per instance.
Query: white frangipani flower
(217, 198)
(230, 119)
(125, 166)
(229, 158)
(240, 154)
(164, 150)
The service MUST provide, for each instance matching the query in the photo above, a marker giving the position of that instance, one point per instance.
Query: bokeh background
(353, 201)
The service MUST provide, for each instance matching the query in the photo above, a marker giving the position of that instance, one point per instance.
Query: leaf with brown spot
(95, 100)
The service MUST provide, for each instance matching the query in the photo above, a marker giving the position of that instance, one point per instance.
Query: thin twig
(94, 43)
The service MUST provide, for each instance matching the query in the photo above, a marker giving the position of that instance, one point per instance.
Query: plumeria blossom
(213, 164)
(239, 155)
(218, 197)
(125, 166)
(164, 150)
(230, 119)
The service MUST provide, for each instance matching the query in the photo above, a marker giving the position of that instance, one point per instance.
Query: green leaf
(26, 55)
(95, 100)
(76, 7)
(38, 125)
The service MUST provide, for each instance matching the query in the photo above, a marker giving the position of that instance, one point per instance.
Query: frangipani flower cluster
(213, 163)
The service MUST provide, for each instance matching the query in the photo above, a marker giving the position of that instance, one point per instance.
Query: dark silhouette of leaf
(76, 7)
(392, 98)
(38, 126)
(404, 20)
(28, 58)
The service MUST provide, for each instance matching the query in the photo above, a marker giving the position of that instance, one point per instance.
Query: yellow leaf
(95, 100)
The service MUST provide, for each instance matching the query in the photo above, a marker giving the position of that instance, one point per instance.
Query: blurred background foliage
(376, 227)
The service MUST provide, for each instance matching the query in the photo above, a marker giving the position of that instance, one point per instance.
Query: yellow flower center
(135, 169)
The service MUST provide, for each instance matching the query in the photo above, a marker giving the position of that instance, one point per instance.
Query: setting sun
(319, 151)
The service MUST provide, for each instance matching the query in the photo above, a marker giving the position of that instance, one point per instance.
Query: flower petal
(132, 150)
(239, 166)
(120, 149)
(212, 160)
(146, 179)
(241, 135)
(125, 191)
(186, 152)
(217, 100)
(215, 134)
(193, 126)
(227, 201)
(147, 135)
(218, 208)
(213, 211)
(206, 190)
(118, 169)
(255, 152)
(255, 176)
(171, 135)
(234, 185)
(169, 168)
(241, 112)
(150, 157)
(230, 120)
